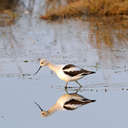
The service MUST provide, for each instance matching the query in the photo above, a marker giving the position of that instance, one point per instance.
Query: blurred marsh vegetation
(107, 19)
(8, 12)
(97, 37)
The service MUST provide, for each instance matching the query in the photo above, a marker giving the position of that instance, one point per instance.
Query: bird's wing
(68, 66)
(76, 72)
(76, 102)
(73, 70)
(73, 104)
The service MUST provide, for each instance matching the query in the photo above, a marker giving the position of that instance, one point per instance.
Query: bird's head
(43, 62)
(43, 113)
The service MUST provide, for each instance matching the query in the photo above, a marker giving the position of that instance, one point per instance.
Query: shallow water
(17, 98)
(28, 40)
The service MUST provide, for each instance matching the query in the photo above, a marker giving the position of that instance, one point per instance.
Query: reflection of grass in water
(107, 18)
(108, 30)
(7, 12)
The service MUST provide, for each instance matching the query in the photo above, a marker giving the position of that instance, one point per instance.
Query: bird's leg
(66, 90)
(66, 85)
(77, 90)
(78, 84)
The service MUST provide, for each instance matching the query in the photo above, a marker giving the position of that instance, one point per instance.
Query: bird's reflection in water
(68, 101)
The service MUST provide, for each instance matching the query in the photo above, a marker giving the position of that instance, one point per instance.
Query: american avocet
(67, 72)
(66, 102)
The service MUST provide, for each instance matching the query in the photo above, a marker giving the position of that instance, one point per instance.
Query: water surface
(21, 46)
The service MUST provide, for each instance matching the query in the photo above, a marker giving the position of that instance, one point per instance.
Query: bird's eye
(42, 62)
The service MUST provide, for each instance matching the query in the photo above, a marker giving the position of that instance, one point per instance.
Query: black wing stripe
(68, 108)
(68, 66)
(76, 102)
(73, 101)
(80, 72)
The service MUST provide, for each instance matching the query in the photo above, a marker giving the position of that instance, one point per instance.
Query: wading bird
(68, 72)
(66, 102)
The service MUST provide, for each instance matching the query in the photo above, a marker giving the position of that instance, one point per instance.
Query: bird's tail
(88, 101)
(91, 72)
(93, 100)
(88, 72)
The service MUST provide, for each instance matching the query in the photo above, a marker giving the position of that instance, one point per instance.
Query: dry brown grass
(8, 4)
(7, 12)
(78, 8)
(108, 19)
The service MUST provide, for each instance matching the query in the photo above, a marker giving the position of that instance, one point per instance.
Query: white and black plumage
(67, 72)
(66, 102)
